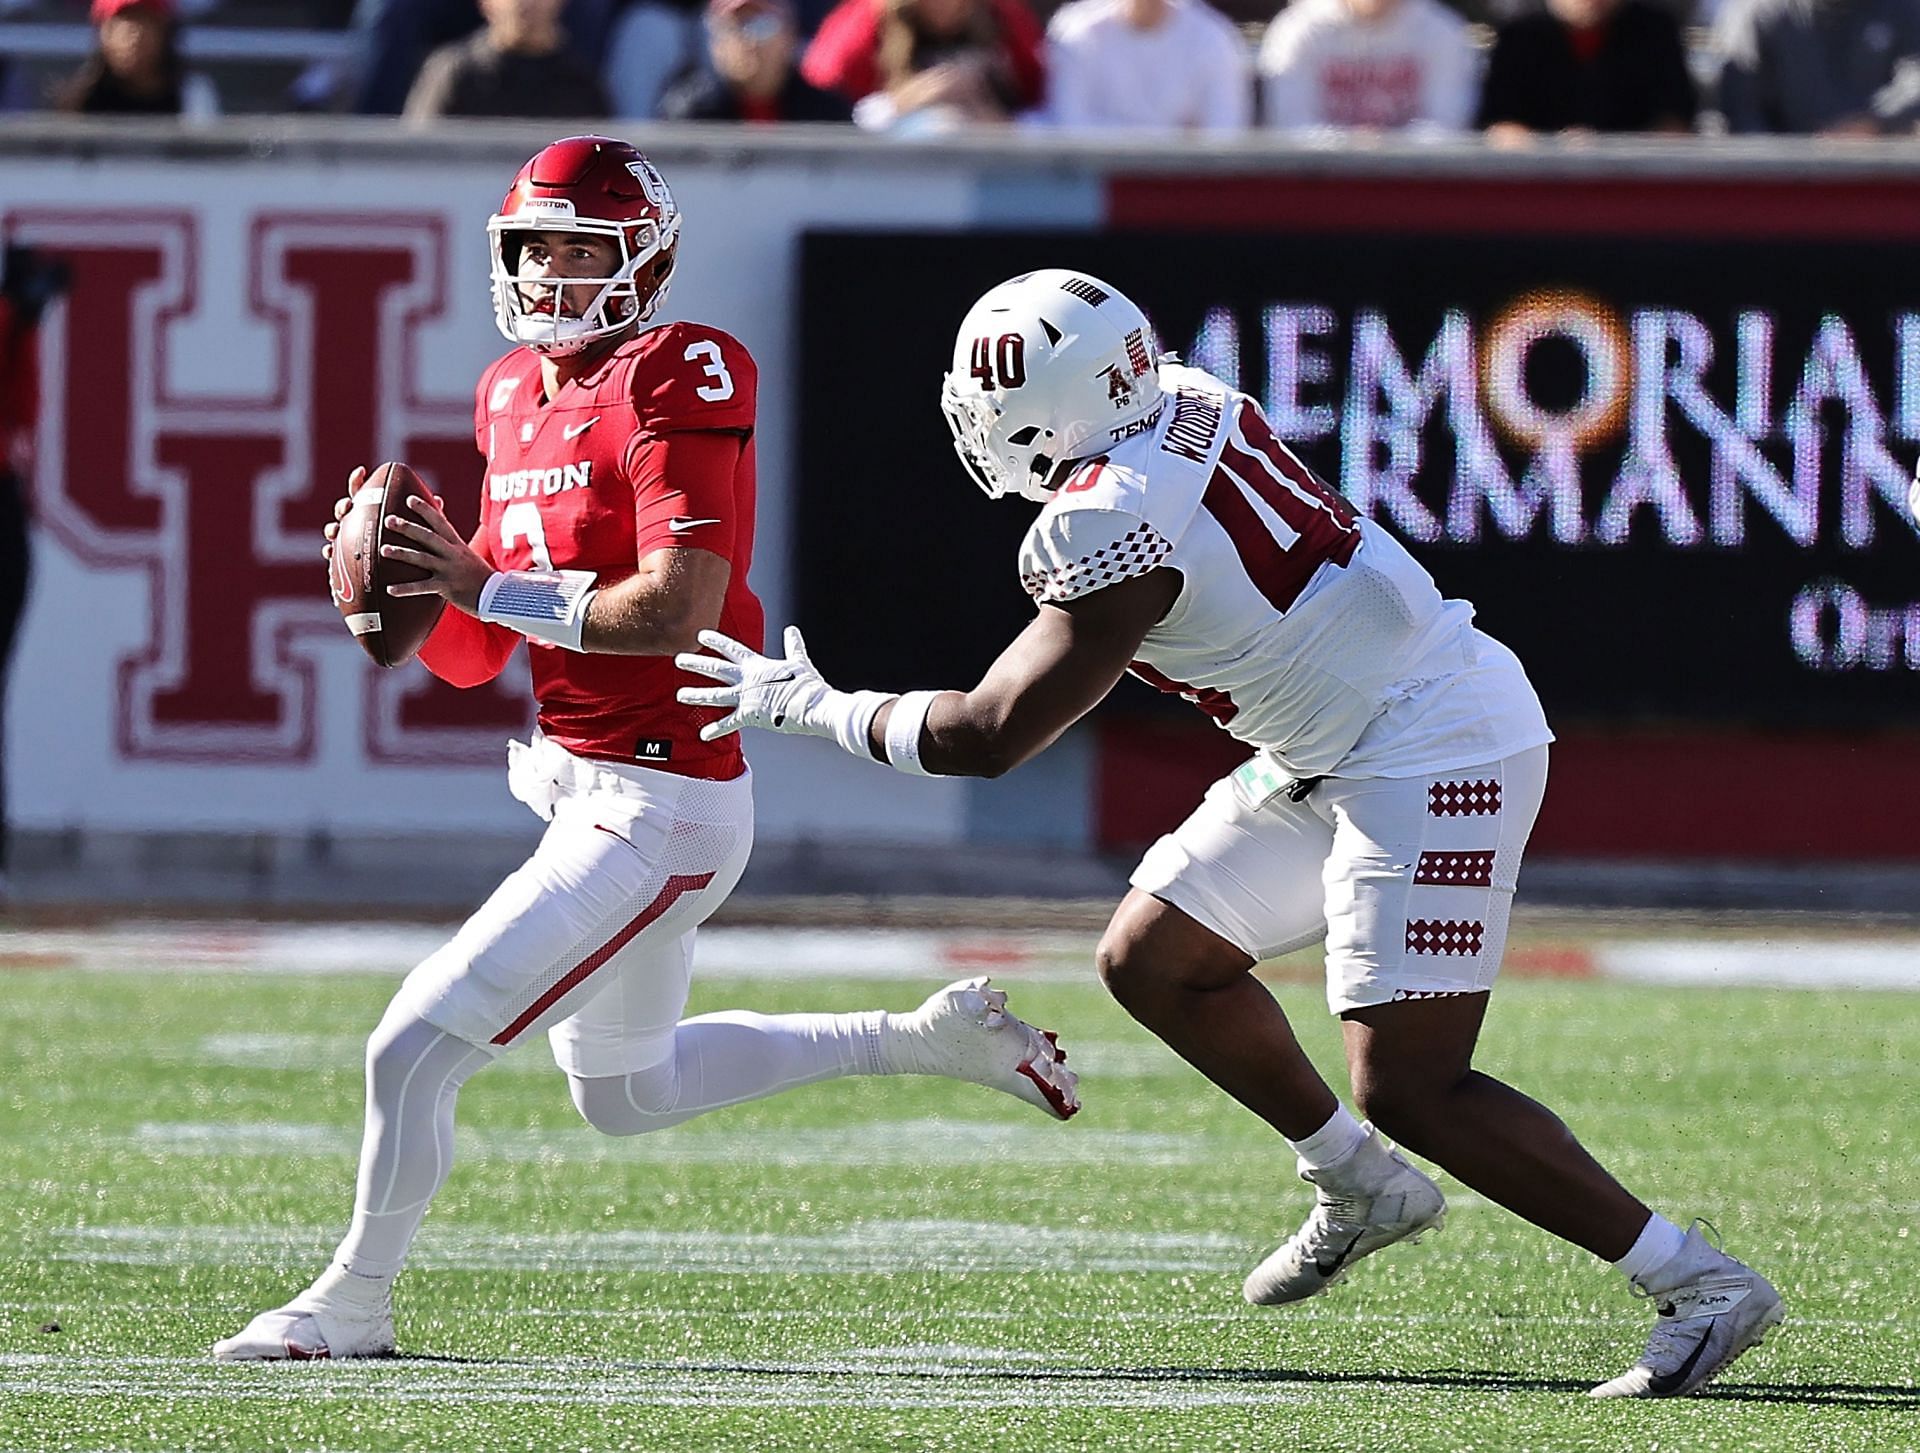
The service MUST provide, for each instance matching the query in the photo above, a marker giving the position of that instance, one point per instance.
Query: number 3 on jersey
(722, 386)
(522, 521)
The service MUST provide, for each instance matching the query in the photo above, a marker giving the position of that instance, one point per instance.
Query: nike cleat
(1371, 1199)
(1712, 1309)
(319, 1323)
(964, 1032)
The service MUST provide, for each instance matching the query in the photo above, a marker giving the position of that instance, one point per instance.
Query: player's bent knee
(1124, 968)
(628, 1104)
(396, 1048)
(1152, 949)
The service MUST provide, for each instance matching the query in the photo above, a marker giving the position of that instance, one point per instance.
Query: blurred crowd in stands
(1512, 69)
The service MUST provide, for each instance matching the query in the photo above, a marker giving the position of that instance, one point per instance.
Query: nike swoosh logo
(574, 431)
(687, 522)
(779, 717)
(1328, 1268)
(1672, 1382)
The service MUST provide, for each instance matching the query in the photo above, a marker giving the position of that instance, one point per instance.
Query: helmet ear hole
(1023, 437)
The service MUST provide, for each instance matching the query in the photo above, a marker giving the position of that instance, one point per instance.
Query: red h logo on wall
(219, 498)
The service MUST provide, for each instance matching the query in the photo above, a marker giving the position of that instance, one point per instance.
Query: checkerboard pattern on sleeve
(1141, 549)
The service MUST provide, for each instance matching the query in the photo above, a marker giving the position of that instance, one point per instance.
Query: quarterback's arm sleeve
(1076, 552)
(465, 650)
(685, 495)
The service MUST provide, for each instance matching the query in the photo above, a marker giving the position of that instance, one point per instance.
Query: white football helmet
(1048, 367)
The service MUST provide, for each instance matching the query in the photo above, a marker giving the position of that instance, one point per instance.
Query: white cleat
(1712, 1309)
(1371, 1199)
(964, 1032)
(315, 1325)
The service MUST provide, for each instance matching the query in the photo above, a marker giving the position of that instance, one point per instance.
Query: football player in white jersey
(1400, 758)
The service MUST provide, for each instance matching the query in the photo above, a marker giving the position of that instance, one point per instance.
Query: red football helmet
(588, 184)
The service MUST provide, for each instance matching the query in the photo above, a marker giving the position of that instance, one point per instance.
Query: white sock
(1659, 1242)
(414, 1075)
(726, 1059)
(341, 1283)
(1332, 1143)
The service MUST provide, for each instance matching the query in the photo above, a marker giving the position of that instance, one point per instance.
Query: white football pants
(592, 941)
(1409, 879)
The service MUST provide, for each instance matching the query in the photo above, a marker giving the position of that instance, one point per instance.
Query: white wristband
(852, 717)
(548, 605)
(903, 732)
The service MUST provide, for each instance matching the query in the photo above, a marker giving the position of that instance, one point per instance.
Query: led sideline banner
(1671, 474)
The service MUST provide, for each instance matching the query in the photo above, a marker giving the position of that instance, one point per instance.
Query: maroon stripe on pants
(668, 895)
(1455, 870)
(1464, 798)
(1444, 936)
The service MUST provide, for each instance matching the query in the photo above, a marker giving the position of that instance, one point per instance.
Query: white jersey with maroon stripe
(1300, 627)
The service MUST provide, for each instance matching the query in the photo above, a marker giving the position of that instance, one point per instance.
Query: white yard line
(1107, 1059)
(1892, 963)
(937, 1377)
(912, 1246)
(929, 1141)
(912, 1379)
(923, 956)
(391, 949)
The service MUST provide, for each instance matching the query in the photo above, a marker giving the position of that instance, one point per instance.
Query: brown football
(390, 627)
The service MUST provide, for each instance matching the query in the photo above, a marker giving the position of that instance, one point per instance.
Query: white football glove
(781, 695)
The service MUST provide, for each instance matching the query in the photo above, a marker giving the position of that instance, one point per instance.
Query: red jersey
(651, 450)
(844, 55)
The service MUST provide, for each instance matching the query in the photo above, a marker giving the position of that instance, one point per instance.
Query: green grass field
(908, 1264)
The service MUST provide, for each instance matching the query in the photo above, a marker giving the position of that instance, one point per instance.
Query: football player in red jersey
(616, 524)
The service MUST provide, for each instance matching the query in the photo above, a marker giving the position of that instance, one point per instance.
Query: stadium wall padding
(253, 315)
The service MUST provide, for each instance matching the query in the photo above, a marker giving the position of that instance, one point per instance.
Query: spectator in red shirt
(753, 43)
(927, 64)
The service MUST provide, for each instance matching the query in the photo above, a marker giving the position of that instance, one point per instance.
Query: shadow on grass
(1823, 1394)
(1854, 1395)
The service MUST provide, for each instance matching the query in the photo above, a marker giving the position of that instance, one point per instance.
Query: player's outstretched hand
(780, 694)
